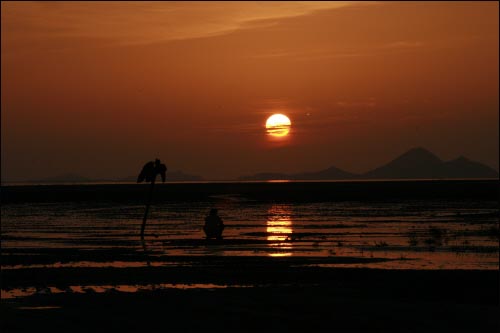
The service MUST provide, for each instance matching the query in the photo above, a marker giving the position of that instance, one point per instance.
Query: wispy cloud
(146, 21)
(353, 52)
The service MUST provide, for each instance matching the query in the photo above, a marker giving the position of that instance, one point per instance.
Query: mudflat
(230, 294)
(310, 257)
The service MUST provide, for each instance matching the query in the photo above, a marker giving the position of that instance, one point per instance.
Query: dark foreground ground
(278, 298)
(279, 294)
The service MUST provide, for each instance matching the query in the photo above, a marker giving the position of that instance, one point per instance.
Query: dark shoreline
(266, 191)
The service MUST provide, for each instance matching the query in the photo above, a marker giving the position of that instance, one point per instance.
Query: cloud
(144, 22)
(352, 52)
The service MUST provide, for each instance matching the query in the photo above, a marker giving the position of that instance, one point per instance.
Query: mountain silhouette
(63, 178)
(172, 176)
(464, 168)
(331, 173)
(266, 176)
(417, 163)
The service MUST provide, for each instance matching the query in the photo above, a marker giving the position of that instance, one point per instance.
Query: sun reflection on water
(279, 231)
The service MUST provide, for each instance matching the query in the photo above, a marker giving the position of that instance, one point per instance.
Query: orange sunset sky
(99, 88)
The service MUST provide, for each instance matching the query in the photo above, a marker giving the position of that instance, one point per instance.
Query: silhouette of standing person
(213, 225)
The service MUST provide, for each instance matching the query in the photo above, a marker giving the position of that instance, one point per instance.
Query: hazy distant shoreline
(415, 164)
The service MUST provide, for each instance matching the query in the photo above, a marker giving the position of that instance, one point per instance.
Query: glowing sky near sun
(98, 88)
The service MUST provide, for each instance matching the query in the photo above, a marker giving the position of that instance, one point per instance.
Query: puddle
(93, 264)
(31, 291)
(39, 307)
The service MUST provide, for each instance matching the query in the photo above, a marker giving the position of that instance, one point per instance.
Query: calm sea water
(438, 233)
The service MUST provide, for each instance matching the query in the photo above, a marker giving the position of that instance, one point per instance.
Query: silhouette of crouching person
(213, 225)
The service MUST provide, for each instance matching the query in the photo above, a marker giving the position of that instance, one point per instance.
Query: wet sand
(423, 259)
(253, 294)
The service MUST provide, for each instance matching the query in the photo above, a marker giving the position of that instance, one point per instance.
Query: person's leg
(219, 231)
(206, 230)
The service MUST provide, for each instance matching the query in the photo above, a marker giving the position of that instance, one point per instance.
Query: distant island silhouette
(63, 178)
(172, 176)
(417, 163)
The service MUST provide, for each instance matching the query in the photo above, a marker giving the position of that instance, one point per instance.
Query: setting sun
(148, 155)
(278, 125)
